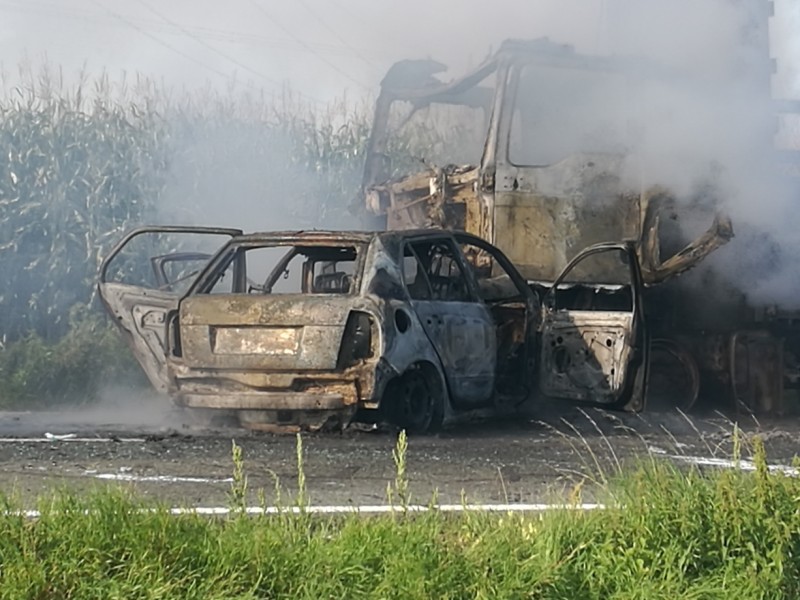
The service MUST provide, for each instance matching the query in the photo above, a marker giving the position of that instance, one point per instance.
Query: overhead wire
(336, 34)
(303, 43)
(159, 26)
(367, 25)
(164, 44)
(150, 27)
(215, 50)
(169, 26)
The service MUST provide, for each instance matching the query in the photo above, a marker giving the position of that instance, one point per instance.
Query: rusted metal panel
(655, 271)
(465, 339)
(263, 309)
(594, 343)
(282, 411)
(439, 198)
(143, 319)
(588, 355)
(544, 216)
(312, 348)
(271, 401)
(262, 331)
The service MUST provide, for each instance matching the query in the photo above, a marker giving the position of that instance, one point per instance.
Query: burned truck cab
(535, 159)
(533, 151)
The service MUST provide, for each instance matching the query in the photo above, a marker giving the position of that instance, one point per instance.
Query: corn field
(76, 172)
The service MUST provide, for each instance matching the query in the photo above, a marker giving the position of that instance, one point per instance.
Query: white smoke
(715, 122)
(716, 118)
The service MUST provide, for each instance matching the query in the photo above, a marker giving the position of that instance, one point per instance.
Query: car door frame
(159, 264)
(469, 375)
(532, 306)
(143, 313)
(632, 392)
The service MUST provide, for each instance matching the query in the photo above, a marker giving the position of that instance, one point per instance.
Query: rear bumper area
(280, 412)
(281, 401)
(278, 401)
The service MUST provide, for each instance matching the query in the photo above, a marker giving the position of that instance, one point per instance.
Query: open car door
(144, 277)
(594, 346)
(515, 312)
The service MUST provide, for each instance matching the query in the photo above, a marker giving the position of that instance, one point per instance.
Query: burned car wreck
(316, 329)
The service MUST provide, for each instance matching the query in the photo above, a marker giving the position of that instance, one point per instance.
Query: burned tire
(414, 402)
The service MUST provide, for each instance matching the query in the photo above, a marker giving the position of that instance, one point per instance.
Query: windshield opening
(561, 111)
(440, 130)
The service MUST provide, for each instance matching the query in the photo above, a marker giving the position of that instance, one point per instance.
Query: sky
(319, 48)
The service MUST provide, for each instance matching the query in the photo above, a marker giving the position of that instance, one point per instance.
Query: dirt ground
(143, 444)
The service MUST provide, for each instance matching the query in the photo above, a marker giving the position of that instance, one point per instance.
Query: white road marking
(156, 478)
(50, 440)
(726, 463)
(61, 436)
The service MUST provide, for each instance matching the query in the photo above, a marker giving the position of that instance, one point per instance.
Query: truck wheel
(414, 403)
(674, 377)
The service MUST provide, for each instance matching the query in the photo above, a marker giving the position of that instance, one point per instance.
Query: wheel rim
(415, 403)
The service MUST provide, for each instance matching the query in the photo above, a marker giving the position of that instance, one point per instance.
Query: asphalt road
(144, 445)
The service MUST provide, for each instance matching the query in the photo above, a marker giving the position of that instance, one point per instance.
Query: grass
(666, 534)
(74, 370)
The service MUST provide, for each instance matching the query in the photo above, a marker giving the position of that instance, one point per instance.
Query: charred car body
(313, 329)
(541, 177)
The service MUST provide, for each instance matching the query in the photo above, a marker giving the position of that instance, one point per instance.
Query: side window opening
(437, 273)
(332, 276)
(414, 276)
(225, 281)
(494, 282)
(175, 272)
(611, 289)
(559, 112)
(167, 261)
